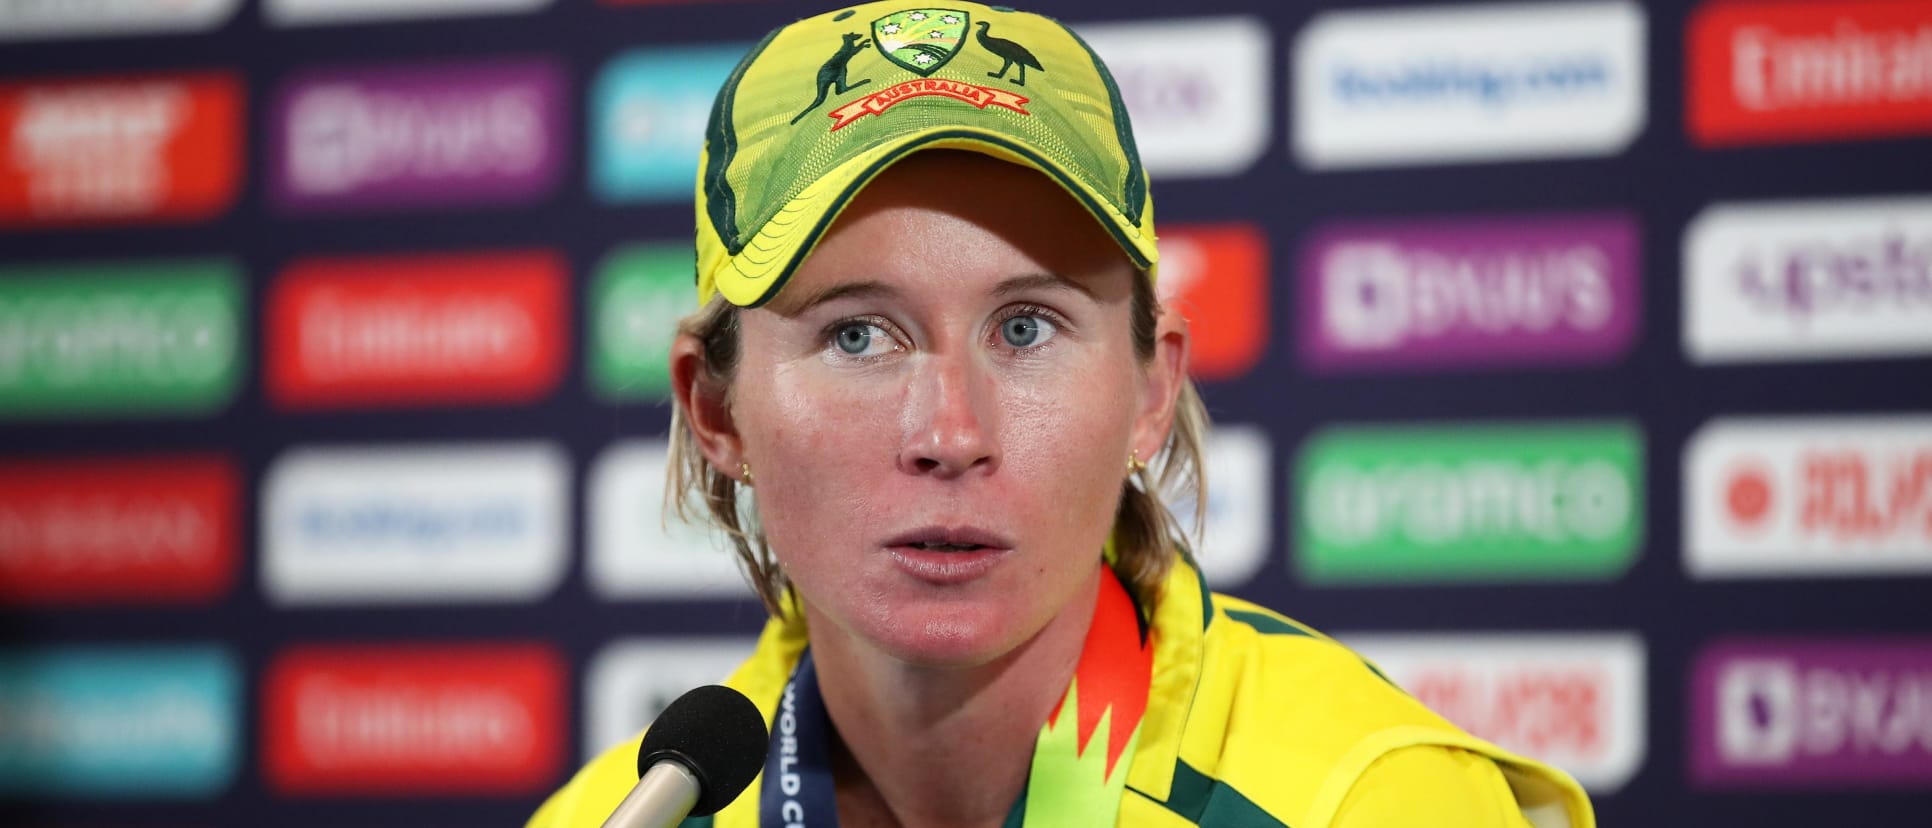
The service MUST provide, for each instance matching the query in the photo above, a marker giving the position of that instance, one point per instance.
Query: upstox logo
(415, 524)
(639, 294)
(1521, 502)
(1812, 712)
(417, 329)
(1196, 88)
(478, 719)
(1809, 496)
(1461, 83)
(379, 138)
(647, 112)
(143, 148)
(632, 680)
(637, 552)
(1574, 700)
(1824, 70)
(1809, 280)
(149, 530)
(158, 338)
(1470, 292)
(149, 722)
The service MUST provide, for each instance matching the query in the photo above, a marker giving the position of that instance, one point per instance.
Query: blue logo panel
(648, 110)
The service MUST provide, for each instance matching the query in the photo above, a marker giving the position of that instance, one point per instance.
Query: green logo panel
(640, 293)
(129, 339)
(1492, 503)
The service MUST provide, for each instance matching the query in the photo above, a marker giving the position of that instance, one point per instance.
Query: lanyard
(1080, 759)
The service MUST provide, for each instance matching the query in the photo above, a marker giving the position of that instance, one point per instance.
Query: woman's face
(939, 408)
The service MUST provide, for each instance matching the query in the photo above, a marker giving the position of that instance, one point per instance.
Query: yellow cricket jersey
(1252, 721)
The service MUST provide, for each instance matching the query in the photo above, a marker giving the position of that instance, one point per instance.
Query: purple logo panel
(1770, 713)
(1453, 293)
(372, 138)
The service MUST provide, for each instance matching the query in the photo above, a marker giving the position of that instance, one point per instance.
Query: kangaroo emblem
(831, 76)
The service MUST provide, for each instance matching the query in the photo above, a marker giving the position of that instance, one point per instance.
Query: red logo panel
(1217, 276)
(420, 329)
(125, 149)
(157, 530)
(414, 719)
(1772, 72)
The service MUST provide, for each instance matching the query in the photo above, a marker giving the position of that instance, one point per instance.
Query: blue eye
(860, 338)
(1026, 331)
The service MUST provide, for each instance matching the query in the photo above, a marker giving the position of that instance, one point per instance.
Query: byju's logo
(311, 12)
(1573, 700)
(1468, 83)
(1470, 292)
(413, 719)
(131, 149)
(1527, 502)
(1809, 280)
(157, 338)
(1810, 71)
(403, 524)
(1824, 496)
(119, 722)
(376, 138)
(1197, 90)
(647, 112)
(1813, 712)
(632, 680)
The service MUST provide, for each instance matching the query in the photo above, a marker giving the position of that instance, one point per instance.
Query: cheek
(820, 451)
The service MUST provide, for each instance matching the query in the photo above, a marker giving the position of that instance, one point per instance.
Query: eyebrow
(1041, 281)
(867, 289)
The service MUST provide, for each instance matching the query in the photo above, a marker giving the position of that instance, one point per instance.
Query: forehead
(943, 219)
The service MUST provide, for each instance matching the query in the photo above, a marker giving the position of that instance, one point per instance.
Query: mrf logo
(921, 41)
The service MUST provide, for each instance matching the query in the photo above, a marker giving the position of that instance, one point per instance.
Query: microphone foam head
(717, 734)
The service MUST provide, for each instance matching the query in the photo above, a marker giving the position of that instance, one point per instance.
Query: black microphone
(699, 754)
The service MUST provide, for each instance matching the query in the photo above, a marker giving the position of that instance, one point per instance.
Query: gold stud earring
(1134, 466)
(745, 469)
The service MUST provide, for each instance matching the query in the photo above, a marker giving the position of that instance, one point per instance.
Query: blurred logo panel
(1812, 712)
(1217, 275)
(119, 722)
(48, 19)
(149, 530)
(648, 113)
(1448, 84)
(110, 150)
(637, 549)
(1196, 89)
(1531, 501)
(1234, 541)
(1823, 496)
(315, 12)
(1474, 292)
(157, 338)
(1830, 70)
(444, 134)
(632, 680)
(417, 330)
(414, 719)
(640, 294)
(415, 524)
(1573, 700)
(1809, 280)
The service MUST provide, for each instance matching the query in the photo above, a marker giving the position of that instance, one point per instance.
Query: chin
(946, 636)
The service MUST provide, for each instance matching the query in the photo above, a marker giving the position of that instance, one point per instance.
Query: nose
(949, 427)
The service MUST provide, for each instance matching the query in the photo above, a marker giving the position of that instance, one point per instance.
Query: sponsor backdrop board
(1571, 358)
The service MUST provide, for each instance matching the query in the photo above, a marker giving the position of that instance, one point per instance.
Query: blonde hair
(1146, 537)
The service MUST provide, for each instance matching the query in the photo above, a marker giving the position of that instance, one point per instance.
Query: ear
(1161, 392)
(706, 406)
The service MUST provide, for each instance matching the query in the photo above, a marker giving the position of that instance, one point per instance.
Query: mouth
(948, 555)
(945, 539)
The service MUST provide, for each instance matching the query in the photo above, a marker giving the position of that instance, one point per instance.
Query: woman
(930, 395)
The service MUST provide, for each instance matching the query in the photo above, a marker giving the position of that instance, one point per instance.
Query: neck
(934, 746)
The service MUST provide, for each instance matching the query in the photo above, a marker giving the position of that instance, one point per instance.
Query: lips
(948, 556)
(950, 539)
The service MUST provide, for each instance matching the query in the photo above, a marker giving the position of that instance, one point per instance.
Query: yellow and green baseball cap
(822, 105)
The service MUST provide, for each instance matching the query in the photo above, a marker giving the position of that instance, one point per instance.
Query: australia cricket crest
(921, 40)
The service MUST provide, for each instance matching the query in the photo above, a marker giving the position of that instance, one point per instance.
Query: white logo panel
(1449, 84)
(1197, 90)
(1809, 280)
(639, 550)
(1234, 543)
(48, 19)
(630, 681)
(1811, 496)
(415, 524)
(1575, 701)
